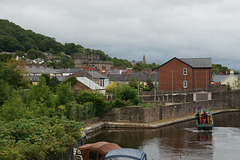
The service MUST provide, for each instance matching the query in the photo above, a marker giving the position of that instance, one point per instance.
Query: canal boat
(204, 120)
(125, 153)
(96, 150)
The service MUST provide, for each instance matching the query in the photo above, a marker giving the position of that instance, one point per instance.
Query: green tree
(126, 93)
(133, 83)
(70, 48)
(149, 86)
(13, 108)
(64, 94)
(54, 82)
(9, 44)
(11, 73)
(35, 54)
(96, 98)
(47, 78)
(5, 92)
(41, 100)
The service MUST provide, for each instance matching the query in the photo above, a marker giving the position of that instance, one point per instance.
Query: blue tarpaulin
(126, 154)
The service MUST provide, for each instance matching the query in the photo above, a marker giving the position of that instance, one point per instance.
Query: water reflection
(181, 141)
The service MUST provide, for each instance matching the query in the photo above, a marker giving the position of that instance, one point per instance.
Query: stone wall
(138, 114)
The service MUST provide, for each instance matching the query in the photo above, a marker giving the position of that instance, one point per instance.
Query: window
(185, 71)
(185, 84)
(92, 155)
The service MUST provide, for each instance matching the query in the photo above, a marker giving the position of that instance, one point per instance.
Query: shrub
(97, 99)
(40, 138)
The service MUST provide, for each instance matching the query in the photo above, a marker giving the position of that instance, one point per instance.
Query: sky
(129, 29)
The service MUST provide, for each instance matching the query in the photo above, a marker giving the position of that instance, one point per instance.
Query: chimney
(112, 67)
(226, 72)
(120, 69)
(149, 73)
(84, 74)
(75, 74)
(106, 73)
(127, 72)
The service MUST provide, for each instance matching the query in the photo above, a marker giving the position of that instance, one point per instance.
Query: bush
(126, 93)
(98, 100)
(40, 138)
(119, 103)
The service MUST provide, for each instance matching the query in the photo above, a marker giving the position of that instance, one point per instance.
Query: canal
(183, 140)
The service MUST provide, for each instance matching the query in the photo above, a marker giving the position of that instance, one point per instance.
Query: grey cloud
(160, 29)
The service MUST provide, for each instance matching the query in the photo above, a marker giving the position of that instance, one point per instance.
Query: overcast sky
(128, 29)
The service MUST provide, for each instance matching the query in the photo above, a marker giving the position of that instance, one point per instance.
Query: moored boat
(126, 153)
(204, 120)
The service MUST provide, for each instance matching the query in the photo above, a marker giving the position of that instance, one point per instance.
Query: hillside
(14, 38)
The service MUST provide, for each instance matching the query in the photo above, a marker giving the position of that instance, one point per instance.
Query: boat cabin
(96, 151)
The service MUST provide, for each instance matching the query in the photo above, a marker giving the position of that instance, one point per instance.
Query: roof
(141, 76)
(198, 62)
(128, 153)
(194, 62)
(89, 83)
(103, 147)
(70, 70)
(220, 78)
(41, 70)
(91, 74)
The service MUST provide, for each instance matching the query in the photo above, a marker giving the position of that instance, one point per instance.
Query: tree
(70, 48)
(133, 83)
(35, 54)
(47, 78)
(13, 108)
(96, 98)
(149, 86)
(9, 44)
(126, 93)
(54, 82)
(12, 72)
(64, 94)
(219, 68)
(41, 100)
(111, 86)
(5, 92)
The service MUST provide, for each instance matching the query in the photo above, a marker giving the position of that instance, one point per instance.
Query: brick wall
(79, 86)
(171, 76)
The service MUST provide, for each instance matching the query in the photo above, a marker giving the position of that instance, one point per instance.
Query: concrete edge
(96, 128)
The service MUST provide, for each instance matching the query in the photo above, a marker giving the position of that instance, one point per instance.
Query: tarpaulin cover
(126, 154)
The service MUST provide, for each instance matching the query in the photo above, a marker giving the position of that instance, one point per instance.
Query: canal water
(183, 140)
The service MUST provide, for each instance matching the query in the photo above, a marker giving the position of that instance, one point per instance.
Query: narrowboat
(204, 120)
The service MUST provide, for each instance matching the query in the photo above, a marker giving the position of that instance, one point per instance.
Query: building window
(185, 71)
(185, 84)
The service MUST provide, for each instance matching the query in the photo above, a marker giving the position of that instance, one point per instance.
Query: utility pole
(172, 86)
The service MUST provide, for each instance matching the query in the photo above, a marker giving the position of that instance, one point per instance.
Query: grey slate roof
(91, 74)
(41, 70)
(218, 78)
(198, 62)
(70, 70)
(140, 76)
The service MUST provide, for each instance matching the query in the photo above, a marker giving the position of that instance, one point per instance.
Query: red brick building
(185, 73)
